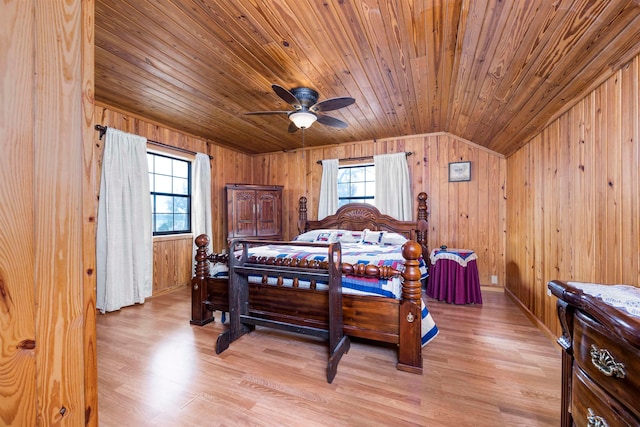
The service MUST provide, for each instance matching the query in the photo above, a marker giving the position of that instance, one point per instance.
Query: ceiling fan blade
(332, 121)
(333, 104)
(293, 128)
(266, 112)
(287, 96)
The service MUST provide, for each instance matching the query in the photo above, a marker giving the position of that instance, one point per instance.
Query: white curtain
(328, 203)
(393, 186)
(124, 246)
(201, 196)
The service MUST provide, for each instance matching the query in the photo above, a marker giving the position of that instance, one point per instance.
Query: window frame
(369, 197)
(188, 196)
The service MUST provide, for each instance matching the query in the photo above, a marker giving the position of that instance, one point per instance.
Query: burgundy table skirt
(453, 283)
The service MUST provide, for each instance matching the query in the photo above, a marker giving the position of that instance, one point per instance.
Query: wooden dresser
(601, 358)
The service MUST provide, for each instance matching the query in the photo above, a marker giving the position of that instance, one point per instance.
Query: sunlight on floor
(172, 362)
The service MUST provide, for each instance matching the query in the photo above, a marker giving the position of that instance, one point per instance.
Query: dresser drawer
(611, 363)
(593, 407)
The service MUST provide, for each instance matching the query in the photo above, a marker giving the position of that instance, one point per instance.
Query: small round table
(453, 277)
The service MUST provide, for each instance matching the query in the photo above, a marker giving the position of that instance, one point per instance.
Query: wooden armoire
(254, 211)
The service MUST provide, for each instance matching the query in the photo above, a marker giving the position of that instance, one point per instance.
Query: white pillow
(347, 236)
(321, 235)
(372, 237)
(326, 237)
(311, 236)
(391, 238)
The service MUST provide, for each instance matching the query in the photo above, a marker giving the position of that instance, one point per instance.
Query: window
(170, 185)
(356, 184)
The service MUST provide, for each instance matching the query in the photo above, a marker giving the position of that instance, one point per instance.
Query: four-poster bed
(397, 319)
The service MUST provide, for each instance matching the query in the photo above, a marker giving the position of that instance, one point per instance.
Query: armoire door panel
(245, 214)
(268, 215)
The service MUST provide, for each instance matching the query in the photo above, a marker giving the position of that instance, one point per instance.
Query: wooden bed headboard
(358, 216)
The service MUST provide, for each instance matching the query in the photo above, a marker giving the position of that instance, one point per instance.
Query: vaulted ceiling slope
(491, 71)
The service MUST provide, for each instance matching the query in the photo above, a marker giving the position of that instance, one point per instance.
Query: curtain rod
(408, 153)
(103, 130)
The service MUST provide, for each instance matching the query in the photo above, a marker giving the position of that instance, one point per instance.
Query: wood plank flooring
(489, 366)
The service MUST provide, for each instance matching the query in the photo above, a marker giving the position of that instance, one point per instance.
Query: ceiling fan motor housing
(306, 96)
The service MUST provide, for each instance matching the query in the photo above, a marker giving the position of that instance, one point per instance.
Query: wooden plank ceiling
(493, 72)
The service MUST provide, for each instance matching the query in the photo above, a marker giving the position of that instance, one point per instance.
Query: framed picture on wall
(459, 171)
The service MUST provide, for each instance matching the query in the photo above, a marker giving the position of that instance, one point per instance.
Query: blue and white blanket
(352, 253)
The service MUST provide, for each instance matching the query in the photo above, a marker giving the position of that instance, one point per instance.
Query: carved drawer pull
(604, 361)
(594, 420)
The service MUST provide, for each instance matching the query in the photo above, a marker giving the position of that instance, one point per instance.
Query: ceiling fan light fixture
(303, 119)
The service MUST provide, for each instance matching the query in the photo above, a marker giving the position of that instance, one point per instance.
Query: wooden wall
(172, 262)
(47, 240)
(463, 214)
(573, 200)
(172, 257)
(17, 275)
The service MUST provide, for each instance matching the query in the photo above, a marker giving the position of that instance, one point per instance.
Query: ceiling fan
(306, 108)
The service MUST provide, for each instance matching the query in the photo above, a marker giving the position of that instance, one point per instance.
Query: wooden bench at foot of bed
(244, 317)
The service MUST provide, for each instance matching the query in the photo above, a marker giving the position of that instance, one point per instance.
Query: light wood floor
(489, 366)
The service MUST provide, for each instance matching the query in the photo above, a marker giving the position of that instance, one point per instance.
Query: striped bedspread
(354, 253)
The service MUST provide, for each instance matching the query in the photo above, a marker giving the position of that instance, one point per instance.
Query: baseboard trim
(543, 328)
(487, 288)
(168, 290)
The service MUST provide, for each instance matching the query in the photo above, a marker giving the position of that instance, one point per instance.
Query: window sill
(169, 237)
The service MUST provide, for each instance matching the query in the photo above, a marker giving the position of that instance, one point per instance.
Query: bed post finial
(411, 286)
(200, 314)
(302, 215)
(421, 232)
(202, 264)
